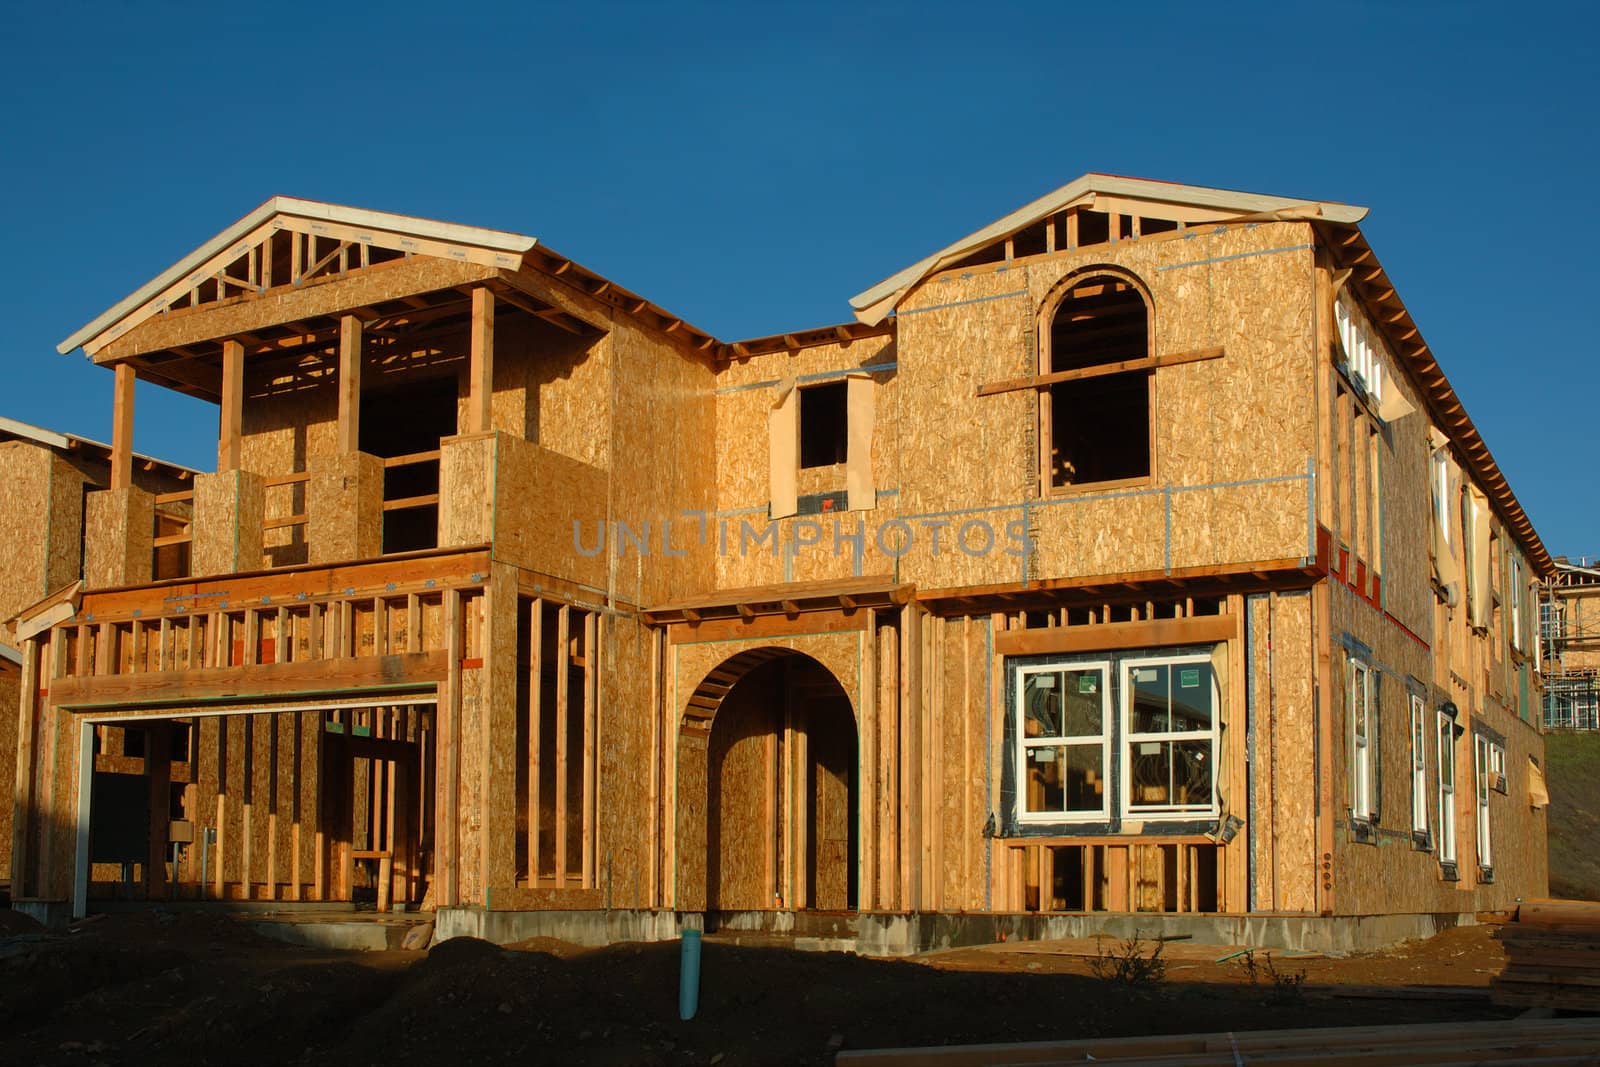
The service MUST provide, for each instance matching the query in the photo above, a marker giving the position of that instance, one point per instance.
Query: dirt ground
(198, 988)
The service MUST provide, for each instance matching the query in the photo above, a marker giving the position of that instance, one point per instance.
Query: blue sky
(752, 166)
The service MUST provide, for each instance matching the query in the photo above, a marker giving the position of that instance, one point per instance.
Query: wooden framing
(122, 428)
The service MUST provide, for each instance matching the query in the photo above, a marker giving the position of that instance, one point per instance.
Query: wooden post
(480, 418)
(563, 666)
(122, 428)
(232, 401)
(591, 698)
(535, 738)
(349, 434)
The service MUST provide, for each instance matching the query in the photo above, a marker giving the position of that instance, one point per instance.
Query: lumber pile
(1552, 956)
(1510, 1041)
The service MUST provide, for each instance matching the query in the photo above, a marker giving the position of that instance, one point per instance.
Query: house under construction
(1130, 555)
(1569, 627)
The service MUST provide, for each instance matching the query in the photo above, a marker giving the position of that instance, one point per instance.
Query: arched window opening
(1096, 424)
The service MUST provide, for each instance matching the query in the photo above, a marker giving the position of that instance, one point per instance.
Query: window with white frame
(1363, 739)
(1419, 766)
(1447, 788)
(1497, 767)
(1480, 766)
(1516, 601)
(1169, 720)
(1063, 738)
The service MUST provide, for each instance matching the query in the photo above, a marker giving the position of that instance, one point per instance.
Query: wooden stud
(229, 438)
(122, 427)
(563, 666)
(348, 437)
(535, 739)
(480, 396)
(591, 701)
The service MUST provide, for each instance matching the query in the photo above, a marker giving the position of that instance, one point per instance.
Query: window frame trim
(1018, 673)
(1213, 736)
(1448, 850)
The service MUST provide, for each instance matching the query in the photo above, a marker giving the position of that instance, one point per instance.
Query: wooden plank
(230, 434)
(591, 732)
(807, 623)
(412, 670)
(563, 667)
(535, 737)
(1205, 629)
(867, 892)
(1149, 363)
(122, 427)
(480, 375)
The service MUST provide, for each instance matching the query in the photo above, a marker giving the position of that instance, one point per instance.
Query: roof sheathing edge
(498, 240)
(874, 303)
(1440, 394)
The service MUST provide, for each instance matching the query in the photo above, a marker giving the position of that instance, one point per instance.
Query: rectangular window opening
(824, 425)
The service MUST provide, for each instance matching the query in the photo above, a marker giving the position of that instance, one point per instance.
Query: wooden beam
(349, 433)
(1040, 381)
(122, 427)
(480, 414)
(230, 436)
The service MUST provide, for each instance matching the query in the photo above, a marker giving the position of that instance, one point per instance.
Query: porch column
(229, 437)
(344, 491)
(119, 521)
(122, 428)
(480, 377)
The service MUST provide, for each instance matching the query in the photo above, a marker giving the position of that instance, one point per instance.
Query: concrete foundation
(885, 934)
(51, 914)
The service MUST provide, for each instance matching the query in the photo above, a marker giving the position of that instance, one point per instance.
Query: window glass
(1171, 735)
(1062, 717)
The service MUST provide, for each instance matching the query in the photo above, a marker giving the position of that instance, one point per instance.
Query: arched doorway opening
(781, 787)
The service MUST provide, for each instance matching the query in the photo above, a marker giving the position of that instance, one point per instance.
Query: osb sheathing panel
(1280, 678)
(470, 787)
(10, 702)
(117, 538)
(941, 452)
(961, 706)
(497, 757)
(25, 483)
(746, 392)
(466, 501)
(344, 507)
(539, 495)
(1392, 875)
(388, 281)
(689, 822)
(663, 424)
(66, 524)
(742, 760)
(1405, 502)
(625, 760)
(228, 523)
(550, 387)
